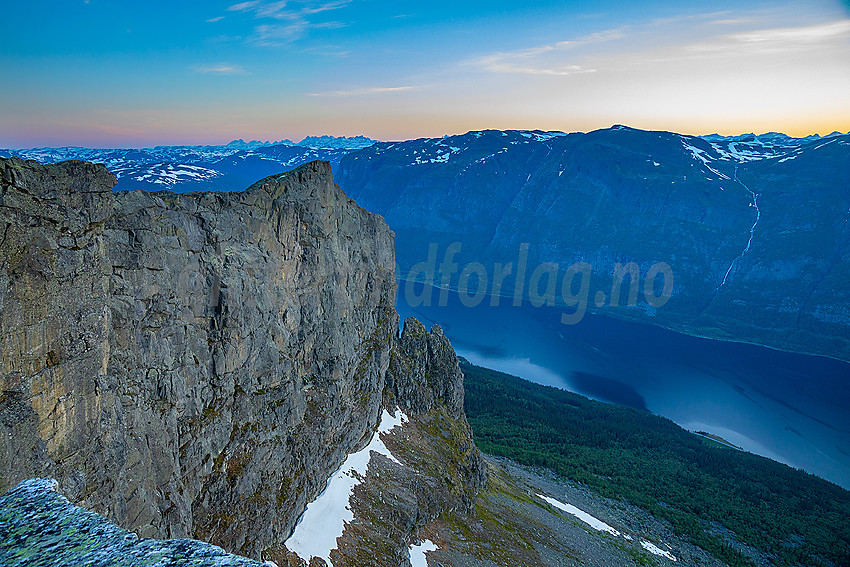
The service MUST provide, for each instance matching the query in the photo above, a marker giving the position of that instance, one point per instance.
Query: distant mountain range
(754, 228)
(229, 167)
(237, 164)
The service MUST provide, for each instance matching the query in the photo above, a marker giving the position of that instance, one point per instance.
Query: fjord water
(793, 408)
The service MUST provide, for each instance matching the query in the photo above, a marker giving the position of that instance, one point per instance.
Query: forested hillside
(651, 462)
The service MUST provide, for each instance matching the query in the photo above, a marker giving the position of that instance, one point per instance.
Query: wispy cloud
(364, 91)
(546, 59)
(290, 20)
(221, 69)
(730, 21)
(683, 18)
(216, 19)
(777, 40)
(242, 6)
(596, 37)
(798, 35)
(562, 70)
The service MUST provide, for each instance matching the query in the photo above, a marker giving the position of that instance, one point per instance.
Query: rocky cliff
(197, 365)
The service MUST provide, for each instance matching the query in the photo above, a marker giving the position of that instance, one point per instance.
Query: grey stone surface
(189, 364)
(424, 371)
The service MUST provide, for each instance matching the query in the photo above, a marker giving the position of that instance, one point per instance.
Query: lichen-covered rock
(40, 528)
(189, 365)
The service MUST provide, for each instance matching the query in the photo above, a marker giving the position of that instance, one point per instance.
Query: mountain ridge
(215, 359)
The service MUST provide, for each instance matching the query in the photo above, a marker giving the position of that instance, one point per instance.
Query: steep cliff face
(422, 465)
(425, 358)
(189, 364)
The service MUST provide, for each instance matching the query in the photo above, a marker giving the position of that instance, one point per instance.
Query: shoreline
(622, 316)
(720, 440)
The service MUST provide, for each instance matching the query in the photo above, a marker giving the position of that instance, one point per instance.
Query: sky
(106, 73)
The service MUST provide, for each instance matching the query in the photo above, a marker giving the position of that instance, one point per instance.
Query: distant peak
(770, 137)
(243, 145)
(341, 142)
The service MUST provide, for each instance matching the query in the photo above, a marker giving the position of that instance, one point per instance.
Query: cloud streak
(546, 59)
(777, 40)
(797, 36)
(562, 71)
(364, 91)
(242, 6)
(221, 69)
(565, 58)
(290, 21)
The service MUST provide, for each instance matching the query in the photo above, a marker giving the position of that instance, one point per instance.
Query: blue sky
(107, 74)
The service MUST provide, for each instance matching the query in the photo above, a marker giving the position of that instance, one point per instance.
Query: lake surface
(793, 408)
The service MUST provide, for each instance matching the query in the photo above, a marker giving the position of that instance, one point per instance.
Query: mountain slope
(744, 509)
(754, 232)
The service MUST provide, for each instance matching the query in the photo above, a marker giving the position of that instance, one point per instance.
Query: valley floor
(513, 525)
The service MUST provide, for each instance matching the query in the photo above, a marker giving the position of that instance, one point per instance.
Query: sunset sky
(101, 73)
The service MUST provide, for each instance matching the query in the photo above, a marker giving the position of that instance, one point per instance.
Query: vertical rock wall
(188, 364)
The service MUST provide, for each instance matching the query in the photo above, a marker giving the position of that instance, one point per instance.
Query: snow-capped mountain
(168, 175)
(752, 147)
(340, 143)
(230, 167)
(237, 164)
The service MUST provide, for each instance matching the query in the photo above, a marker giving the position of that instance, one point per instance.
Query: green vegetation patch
(651, 462)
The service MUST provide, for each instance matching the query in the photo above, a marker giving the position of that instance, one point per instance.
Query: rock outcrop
(40, 528)
(425, 358)
(439, 468)
(193, 365)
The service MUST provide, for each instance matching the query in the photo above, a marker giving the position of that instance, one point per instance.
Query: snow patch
(417, 553)
(593, 522)
(655, 550)
(822, 145)
(702, 156)
(167, 174)
(539, 136)
(443, 152)
(325, 518)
